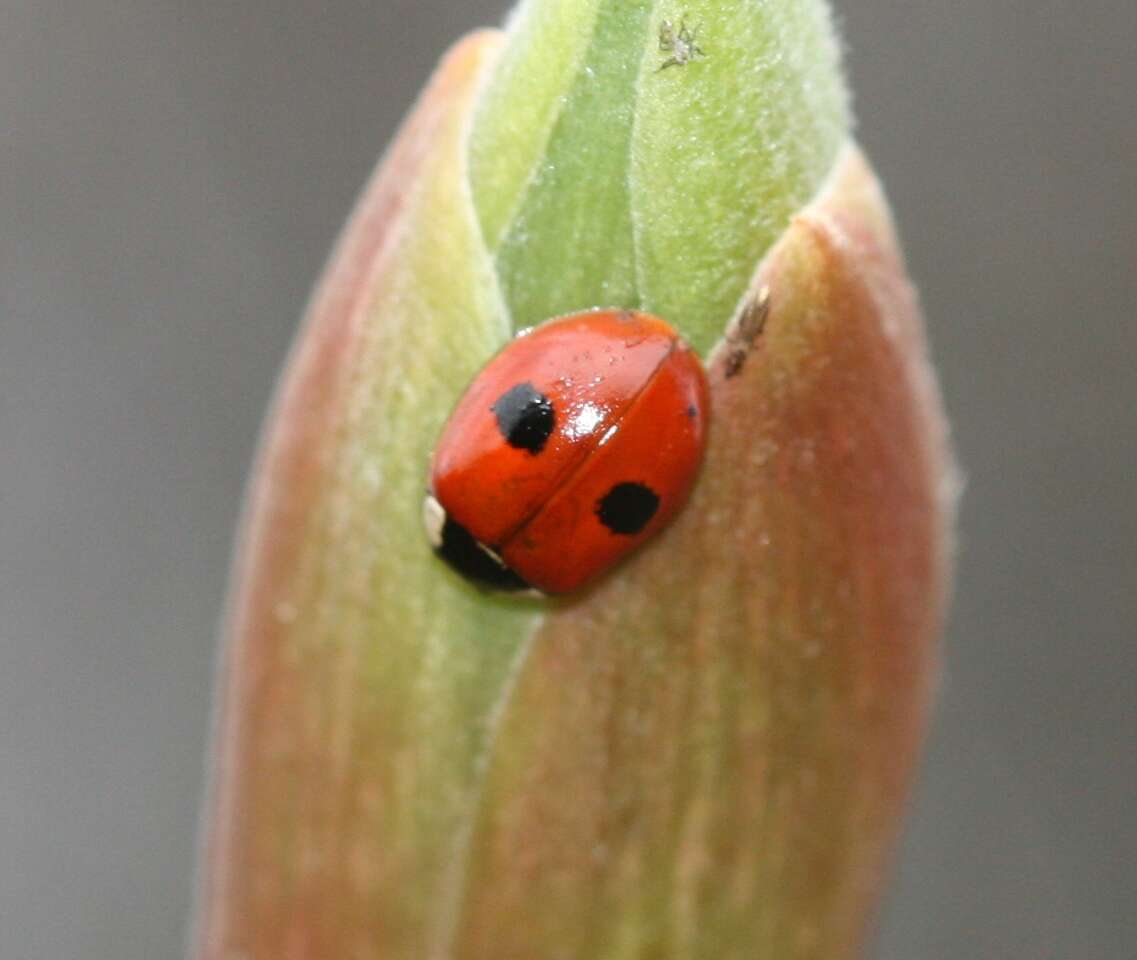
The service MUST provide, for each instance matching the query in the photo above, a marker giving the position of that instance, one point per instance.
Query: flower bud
(706, 754)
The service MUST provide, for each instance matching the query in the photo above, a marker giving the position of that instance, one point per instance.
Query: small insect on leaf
(745, 330)
(679, 41)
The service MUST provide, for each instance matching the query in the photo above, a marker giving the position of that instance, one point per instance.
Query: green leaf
(362, 677)
(604, 178)
(707, 755)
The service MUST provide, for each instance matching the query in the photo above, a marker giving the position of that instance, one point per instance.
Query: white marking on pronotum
(433, 519)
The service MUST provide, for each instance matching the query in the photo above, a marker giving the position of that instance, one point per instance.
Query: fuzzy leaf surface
(603, 177)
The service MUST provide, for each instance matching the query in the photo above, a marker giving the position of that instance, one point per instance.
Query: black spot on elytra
(465, 555)
(525, 417)
(692, 411)
(627, 507)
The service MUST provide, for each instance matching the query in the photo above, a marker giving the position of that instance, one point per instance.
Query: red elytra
(575, 444)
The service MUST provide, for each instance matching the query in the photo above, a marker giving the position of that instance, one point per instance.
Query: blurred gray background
(171, 178)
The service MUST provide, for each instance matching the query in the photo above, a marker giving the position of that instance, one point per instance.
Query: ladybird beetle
(576, 443)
